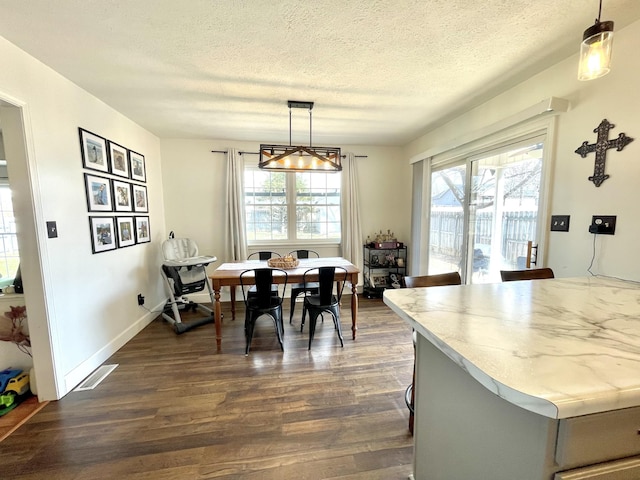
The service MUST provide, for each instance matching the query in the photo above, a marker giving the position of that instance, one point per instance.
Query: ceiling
(381, 72)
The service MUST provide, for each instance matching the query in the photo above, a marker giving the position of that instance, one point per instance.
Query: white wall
(82, 307)
(194, 181)
(615, 97)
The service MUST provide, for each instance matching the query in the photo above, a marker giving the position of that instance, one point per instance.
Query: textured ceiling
(379, 72)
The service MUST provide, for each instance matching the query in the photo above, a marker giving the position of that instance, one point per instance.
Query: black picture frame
(137, 166)
(143, 229)
(94, 151)
(140, 200)
(126, 231)
(118, 160)
(122, 199)
(103, 235)
(98, 192)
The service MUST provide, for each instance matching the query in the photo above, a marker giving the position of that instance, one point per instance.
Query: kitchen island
(527, 380)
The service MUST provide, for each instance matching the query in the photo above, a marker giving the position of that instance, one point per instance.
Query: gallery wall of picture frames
(114, 178)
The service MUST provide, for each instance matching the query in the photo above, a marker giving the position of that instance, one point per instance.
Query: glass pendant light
(595, 50)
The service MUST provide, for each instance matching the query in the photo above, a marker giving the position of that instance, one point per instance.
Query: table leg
(233, 301)
(218, 319)
(354, 306)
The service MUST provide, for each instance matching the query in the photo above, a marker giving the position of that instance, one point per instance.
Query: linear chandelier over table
(300, 158)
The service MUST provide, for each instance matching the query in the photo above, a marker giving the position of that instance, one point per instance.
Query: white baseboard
(82, 371)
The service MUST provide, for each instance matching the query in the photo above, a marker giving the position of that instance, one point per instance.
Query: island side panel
(463, 431)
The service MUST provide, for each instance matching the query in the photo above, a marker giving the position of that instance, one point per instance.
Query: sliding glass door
(484, 210)
(447, 218)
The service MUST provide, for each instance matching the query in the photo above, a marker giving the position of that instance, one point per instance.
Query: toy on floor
(14, 387)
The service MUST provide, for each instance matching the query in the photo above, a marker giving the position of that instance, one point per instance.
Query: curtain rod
(257, 153)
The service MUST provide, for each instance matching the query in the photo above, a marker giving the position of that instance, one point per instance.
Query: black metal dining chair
(263, 301)
(325, 300)
(298, 289)
(262, 256)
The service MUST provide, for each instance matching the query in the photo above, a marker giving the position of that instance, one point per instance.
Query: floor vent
(96, 377)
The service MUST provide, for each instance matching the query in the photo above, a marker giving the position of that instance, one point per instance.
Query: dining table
(228, 275)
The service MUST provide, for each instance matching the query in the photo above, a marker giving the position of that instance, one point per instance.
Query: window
(9, 254)
(292, 206)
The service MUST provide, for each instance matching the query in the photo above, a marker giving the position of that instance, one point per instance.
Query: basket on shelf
(283, 263)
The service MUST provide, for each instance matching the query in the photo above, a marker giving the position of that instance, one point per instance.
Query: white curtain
(351, 228)
(235, 238)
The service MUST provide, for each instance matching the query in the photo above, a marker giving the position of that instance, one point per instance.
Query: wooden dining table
(228, 275)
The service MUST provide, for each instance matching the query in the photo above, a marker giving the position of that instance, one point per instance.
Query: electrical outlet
(140, 299)
(603, 224)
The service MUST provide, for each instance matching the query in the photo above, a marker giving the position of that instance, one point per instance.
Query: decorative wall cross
(600, 147)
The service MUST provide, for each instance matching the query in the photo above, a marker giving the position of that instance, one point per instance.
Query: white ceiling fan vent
(96, 377)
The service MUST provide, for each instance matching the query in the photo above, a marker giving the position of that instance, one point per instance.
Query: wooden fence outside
(517, 229)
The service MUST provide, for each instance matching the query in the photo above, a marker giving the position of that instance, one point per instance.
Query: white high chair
(185, 272)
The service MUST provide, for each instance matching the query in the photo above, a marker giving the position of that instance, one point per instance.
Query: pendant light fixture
(595, 50)
(300, 158)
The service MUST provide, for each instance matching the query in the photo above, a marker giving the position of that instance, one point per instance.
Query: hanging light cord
(289, 126)
(599, 12)
(310, 128)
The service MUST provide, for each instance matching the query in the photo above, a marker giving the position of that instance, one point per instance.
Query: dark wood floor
(174, 409)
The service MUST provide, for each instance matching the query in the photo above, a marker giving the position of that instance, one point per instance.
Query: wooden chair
(439, 280)
(262, 301)
(530, 274)
(325, 300)
(298, 289)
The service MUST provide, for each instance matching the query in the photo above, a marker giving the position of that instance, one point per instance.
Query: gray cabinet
(627, 469)
(462, 430)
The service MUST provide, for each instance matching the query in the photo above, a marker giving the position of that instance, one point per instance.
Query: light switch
(52, 230)
(560, 223)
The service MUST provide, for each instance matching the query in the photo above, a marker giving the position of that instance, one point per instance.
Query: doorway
(484, 209)
(26, 210)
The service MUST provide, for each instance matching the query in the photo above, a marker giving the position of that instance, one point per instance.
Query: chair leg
(339, 328)
(293, 306)
(249, 327)
(336, 321)
(279, 331)
(313, 319)
(304, 314)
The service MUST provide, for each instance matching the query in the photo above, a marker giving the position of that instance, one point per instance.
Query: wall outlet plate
(603, 224)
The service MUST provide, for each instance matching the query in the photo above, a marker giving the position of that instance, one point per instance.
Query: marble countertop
(561, 348)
